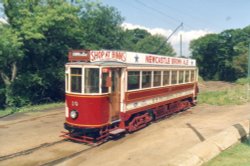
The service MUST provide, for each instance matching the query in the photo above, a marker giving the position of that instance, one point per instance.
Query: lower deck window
(166, 77)
(174, 77)
(133, 80)
(105, 89)
(187, 76)
(91, 83)
(181, 76)
(192, 76)
(76, 80)
(157, 78)
(66, 82)
(146, 79)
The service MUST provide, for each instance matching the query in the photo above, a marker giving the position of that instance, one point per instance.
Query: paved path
(153, 145)
(160, 142)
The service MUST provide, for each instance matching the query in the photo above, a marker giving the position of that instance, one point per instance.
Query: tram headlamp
(73, 114)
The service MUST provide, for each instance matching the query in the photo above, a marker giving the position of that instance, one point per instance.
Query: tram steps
(117, 132)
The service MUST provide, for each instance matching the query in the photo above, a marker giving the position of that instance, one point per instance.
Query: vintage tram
(109, 93)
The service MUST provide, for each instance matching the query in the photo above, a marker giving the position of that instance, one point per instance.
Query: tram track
(51, 162)
(60, 160)
(29, 151)
(32, 119)
(13, 113)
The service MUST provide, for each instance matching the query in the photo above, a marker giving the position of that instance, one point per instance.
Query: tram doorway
(115, 95)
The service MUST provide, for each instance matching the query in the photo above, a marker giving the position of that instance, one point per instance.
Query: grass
(30, 108)
(238, 155)
(233, 96)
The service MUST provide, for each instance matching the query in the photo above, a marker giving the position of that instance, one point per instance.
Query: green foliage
(235, 155)
(101, 27)
(31, 108)
(139, 40)
(48, 29)
(10, 49)
(232, 96)
(132, 37)
(243, 81)
(2, 98)
(222, 56)
(35, 43)
(155, 44)
(200, 79)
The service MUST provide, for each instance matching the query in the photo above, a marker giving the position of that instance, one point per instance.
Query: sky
(199, 17)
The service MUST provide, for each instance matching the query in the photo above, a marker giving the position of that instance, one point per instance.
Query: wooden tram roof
(126, 59)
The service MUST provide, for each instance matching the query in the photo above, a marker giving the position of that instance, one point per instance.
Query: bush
(236, 95)
(2, 98)
(243, 81)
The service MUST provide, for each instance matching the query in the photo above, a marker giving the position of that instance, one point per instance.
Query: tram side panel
(93, 111)
(143, 100)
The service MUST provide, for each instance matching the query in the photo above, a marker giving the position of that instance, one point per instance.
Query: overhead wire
(199, 19)
(138, 9)
(159, 11)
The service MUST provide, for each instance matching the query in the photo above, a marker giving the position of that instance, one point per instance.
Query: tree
(132, 37)
(101, 27)
(40, 34)
(222, 56)
(48, 30)
(156, 45)
(10, 55)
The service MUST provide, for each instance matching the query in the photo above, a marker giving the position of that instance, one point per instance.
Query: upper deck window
(76, 80)
(133, 80)
(91, 83)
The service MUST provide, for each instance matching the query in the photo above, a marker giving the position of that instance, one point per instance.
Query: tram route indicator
(158, 59)
(107, 56)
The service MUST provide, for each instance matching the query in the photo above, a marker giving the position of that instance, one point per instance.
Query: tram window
(157, 78)
(181, 76)
(174, 77)
(76, 80)
(192, 76)
(166, 75)
(105, 88)
(133, 80)
(91, 84)
(146, 79)
(187, 76)
(67, 82)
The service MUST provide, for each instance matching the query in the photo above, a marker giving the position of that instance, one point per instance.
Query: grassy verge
(233, 96)
(237, 155)
(32, 108)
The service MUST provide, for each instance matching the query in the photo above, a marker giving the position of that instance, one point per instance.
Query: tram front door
(115, 95)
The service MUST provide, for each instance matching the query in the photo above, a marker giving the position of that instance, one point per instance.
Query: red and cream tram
(112, 92)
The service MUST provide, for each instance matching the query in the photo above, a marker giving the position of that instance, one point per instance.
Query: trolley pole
(180, 45)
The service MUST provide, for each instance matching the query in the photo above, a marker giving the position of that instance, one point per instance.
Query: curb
(211, 147)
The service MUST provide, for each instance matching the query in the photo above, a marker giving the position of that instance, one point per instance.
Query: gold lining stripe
(89, 96)
(87, 125)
